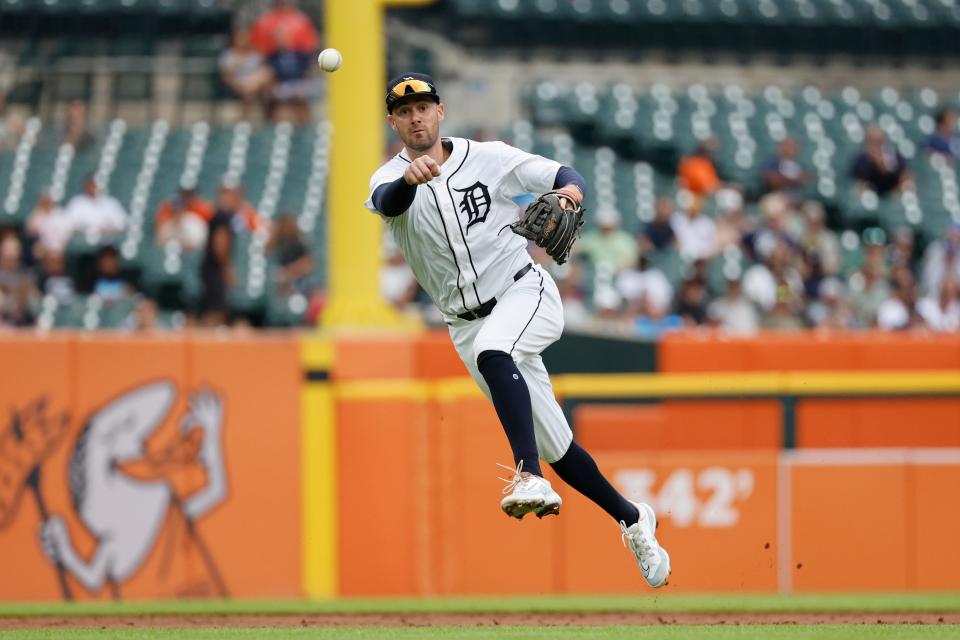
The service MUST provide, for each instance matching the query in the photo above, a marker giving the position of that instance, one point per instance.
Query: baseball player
(447, 202)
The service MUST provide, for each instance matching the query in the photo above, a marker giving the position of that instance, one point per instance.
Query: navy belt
(484, 309)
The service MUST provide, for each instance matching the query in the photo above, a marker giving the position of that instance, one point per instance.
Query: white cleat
(641, 538)
(528, 493)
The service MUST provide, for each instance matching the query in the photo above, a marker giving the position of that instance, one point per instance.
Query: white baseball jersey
(457, 240)
(454, 235)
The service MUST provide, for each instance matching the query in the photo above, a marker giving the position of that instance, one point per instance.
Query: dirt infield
(466, 620)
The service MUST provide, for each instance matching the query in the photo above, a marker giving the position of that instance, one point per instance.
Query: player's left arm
(530, 173)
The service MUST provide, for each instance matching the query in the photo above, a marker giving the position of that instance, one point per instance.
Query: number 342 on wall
(705, 498)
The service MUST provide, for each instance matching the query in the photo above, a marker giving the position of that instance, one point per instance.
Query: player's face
(417, 122)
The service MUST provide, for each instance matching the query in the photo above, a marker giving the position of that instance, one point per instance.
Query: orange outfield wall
(420, 515)
(865, 505)
(171, 462)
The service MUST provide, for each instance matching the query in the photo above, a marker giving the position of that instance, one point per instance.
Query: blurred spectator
(692, 302)
(696, 233)
(869, 286)
(607, 304)
(55, 281)
(11, 130)
(188, 199)
(293, 86)
(95, 212)
(644, 285)
(178, 222)
(76, 131)
(941, 311)
(778, 223)
(218, 275)
(654, 320)
(234, 211)
(897, 311)
(880, 166)
(941, 260)
(243, 69)
(146, 316)
(786, 314)
(288, 42)
(287, 23)
(817, 240)
(397, 282)
(608, 246)
(658, 233)
(49, 227)
(945, 139)
(829, 308)
(784, 173)
(733, 224)
(109, 285)
(18, 289)
(732, 312)
(292, 255)
(819, 250)
(697, 172)
(762, 282)
(570, 284)
(901, 250)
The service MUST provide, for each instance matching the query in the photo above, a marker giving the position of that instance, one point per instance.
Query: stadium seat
(814, 27)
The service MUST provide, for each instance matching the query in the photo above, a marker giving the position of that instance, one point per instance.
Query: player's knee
(485, 355)
(550, 452)
(485, 344)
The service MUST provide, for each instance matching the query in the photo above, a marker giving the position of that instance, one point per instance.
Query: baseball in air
(330, 59)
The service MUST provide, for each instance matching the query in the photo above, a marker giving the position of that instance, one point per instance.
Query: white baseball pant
(527, 318)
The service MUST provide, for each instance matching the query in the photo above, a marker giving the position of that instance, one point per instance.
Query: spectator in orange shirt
(182, 227)
(186, 200)
(697, 172)
(288, 43)
(283, 25)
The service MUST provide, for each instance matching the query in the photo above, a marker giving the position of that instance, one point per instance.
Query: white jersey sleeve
(525, 172)
(385, 175)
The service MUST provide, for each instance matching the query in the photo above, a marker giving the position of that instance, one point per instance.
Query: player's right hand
(421, 171)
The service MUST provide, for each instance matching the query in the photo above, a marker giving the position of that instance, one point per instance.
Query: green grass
(748, 603)
(765, 632)
(914, 602)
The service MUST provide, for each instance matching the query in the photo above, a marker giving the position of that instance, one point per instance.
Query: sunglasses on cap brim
(410, 87)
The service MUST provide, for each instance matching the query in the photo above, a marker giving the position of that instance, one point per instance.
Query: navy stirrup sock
(511, 399)
(578, 470)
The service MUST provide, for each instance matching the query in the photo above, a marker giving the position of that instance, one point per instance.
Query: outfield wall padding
(366, 466)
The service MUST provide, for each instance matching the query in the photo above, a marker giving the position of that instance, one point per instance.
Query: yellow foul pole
(356, 109)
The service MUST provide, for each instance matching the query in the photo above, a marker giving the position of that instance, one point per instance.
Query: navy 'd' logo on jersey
(475, 203)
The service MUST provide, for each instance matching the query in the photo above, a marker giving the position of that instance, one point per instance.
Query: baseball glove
(550, 225)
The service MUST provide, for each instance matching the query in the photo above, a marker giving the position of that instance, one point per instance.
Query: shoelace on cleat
(638, 542)
(517, 480)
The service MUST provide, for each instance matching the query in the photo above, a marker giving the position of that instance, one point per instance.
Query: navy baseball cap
(410, 84)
